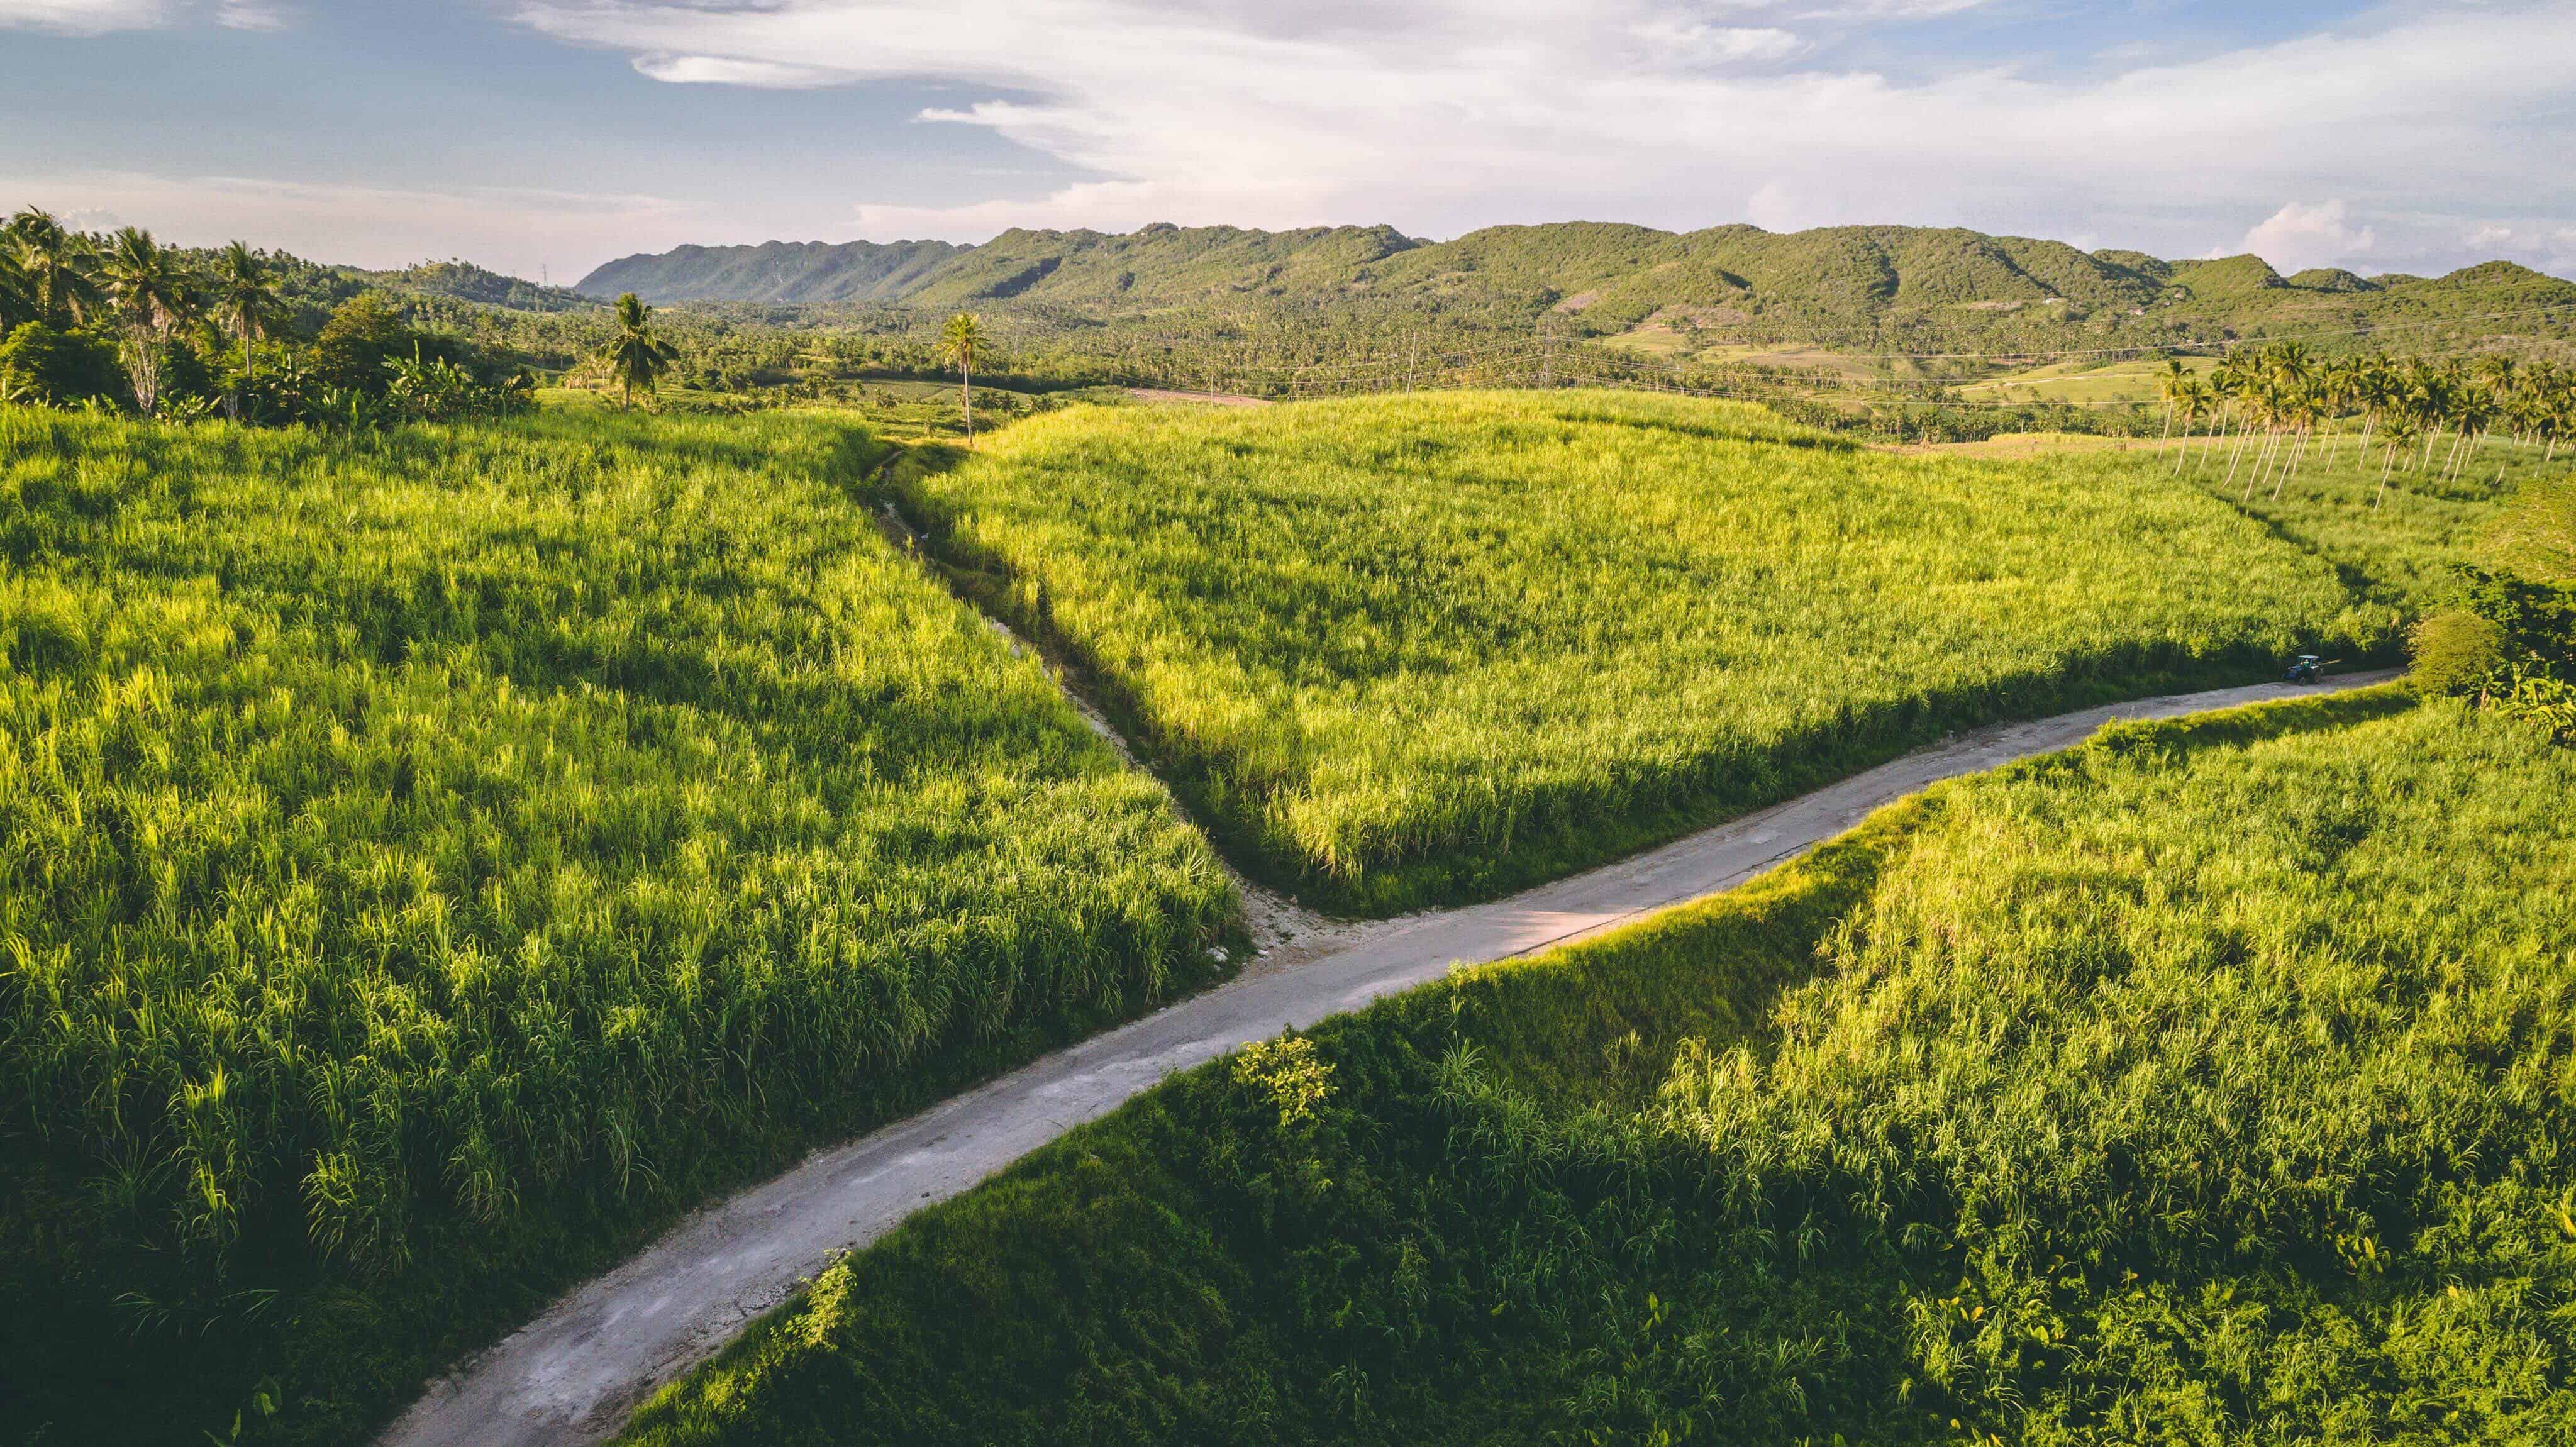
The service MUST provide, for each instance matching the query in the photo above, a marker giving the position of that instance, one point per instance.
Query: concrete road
(574, 1374)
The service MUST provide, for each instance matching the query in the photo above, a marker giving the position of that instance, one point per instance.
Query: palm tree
(2226, 386)
(2428, 402)
(2303, 405)
(17, 294)
(50, 256)
(2263, 403)
(2171, 385)
(2471, 410)
(144, 282)
(637, 356)
(2195, 401)
(2398, 436)
(2375, 391)
(245, 297)
(961, 342)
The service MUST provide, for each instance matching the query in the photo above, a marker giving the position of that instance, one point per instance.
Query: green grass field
(2207, 1084)
(2394, 549)
(429, 860)
(1427, 648)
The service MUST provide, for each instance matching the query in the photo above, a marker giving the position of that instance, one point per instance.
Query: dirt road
(574, 1374)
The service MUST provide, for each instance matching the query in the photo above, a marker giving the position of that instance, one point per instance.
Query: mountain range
(1599, 278)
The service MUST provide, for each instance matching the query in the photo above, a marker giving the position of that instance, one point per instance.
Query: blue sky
(550, 135)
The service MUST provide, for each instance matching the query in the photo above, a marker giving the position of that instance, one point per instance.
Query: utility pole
(1546, 356)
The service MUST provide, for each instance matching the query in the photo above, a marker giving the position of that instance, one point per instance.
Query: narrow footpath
(574, 1374)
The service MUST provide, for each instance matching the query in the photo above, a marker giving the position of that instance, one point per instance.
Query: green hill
(1836, 283)
(464, 281)
(800, 273)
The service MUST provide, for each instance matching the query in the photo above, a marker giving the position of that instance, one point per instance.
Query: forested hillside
(1737, 282)
(786, 272)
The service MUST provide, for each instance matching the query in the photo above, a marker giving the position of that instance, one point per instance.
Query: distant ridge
(792, 272)
(1602, 278)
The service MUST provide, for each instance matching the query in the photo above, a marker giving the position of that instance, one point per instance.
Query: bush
(45, 367)
(2455, 652)
(368, 333)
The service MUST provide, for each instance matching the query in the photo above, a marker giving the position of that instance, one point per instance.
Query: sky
(543, 137)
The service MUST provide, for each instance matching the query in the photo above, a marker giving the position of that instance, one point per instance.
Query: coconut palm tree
(2398, 436)
(2472, 409)
(2170, 385)
(144, 281)
(17, 294)
(244, 298)
(2374, 392)
(2428, 403)
(2304, 405)
(2196, 401)
(2226, 386)
(961, 343)
(637, 356)
(52, 257)
(2264, 403)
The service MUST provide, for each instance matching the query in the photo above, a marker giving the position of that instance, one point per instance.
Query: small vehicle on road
(2308, 668)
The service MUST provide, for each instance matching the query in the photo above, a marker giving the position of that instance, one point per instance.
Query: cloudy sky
(550, 135)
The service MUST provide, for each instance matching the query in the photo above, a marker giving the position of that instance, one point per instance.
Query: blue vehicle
(2308, 668)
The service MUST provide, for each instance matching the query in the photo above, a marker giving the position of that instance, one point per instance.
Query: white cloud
(1773, 209)
(728, 70)
(82, 17)
(250, 15)
(2299, 237)
(1673, 41)
(1444, 114)
(100, 17)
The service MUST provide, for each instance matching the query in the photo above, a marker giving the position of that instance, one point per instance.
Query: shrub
(44, 367)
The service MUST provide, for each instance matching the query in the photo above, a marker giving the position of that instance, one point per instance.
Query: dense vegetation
(1408, 649)
(1884, 287)
(2396, 534)
(2507, 638)
(122, 321)
(1859, 328)
(2208, 1084)
(429, 858)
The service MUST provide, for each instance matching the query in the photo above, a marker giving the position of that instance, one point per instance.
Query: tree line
(2282, 404)
(118, 320)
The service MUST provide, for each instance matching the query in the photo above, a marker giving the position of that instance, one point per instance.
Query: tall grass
(2210, 1084)
(407, 838)
(2394, 547)
(1424, 647)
